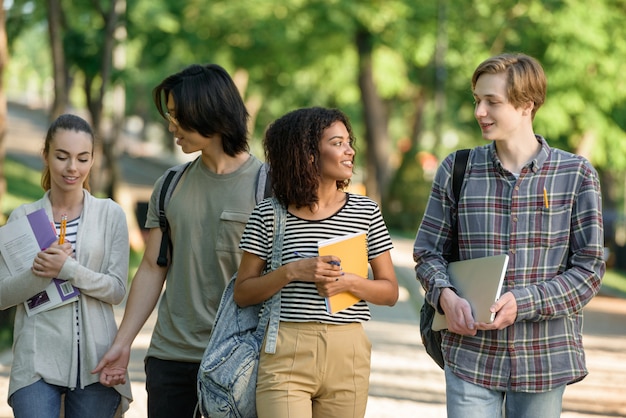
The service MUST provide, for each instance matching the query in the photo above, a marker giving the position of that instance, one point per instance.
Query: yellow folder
(352, 251)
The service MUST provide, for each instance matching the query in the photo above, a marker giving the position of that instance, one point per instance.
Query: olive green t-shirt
(207, 215)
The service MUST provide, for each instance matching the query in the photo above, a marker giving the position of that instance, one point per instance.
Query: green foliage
(407, 197)
(28, 70)
(296, 53)
(23, 185)
(614, 283)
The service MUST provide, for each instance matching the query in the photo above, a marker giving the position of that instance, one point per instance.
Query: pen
(63, 228)
(297, 254)
(545, 197)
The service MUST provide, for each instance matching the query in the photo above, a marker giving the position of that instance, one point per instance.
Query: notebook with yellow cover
(352, 251)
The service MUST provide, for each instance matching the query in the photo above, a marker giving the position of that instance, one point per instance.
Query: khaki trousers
(318, 371)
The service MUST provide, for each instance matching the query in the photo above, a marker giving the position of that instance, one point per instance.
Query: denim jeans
(467, 400)
(43, 400)
(172, 388)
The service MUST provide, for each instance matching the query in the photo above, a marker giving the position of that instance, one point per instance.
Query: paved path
(405, 383)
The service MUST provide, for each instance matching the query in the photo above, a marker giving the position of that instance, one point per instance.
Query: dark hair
(526, 80)
(292, 149)
(66, 122)
(208, 102)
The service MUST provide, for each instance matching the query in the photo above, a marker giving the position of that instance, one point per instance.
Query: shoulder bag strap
(270, 315)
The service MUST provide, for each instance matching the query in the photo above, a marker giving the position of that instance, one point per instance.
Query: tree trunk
(108, 174)
(59, 68)
(417, 124)
(441, 49)
(4, 58)
(376, 119)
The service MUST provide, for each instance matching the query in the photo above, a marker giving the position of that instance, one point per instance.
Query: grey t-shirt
(207, 215)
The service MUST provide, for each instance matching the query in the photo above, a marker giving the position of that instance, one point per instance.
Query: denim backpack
(228, 370)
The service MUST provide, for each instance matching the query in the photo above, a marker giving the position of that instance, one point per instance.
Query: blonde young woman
(55, 350)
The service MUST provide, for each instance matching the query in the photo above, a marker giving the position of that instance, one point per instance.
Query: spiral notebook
(478, 280)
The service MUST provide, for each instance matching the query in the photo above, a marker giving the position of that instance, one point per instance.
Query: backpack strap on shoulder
(460, 166)
(172, 177)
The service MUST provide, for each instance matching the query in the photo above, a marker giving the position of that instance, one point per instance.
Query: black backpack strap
(432, 339)
(172, 177)
(460, 166)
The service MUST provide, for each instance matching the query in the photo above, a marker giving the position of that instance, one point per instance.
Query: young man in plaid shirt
(542, 207)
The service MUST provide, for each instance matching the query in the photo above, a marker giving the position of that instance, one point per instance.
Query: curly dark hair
(208, 102)
(292, 149)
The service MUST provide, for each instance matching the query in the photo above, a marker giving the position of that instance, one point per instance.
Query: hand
(339, 284)
(318, 270)
(458, 312)
(506, 313)
(113, 366)
(67, 247)
(48, 262)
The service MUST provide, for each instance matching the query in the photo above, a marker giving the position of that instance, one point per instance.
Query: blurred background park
(400, 69)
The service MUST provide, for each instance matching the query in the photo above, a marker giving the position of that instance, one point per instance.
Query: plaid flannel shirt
(556, 263)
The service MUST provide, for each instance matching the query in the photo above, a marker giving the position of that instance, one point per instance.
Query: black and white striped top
(300, 301)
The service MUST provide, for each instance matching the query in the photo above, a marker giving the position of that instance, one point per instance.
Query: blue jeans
(43, 400)
(172, 388)
(467, 400)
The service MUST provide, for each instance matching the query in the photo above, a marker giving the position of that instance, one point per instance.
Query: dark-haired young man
(207, 215)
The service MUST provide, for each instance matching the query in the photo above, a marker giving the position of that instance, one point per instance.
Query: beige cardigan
(45, 345)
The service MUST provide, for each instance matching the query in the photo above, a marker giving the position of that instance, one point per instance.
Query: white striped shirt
(300, 301)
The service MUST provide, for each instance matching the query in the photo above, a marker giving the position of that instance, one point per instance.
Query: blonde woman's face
(69, 159)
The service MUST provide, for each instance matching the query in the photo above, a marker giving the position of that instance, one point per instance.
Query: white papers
(20, 241)
(19, 245)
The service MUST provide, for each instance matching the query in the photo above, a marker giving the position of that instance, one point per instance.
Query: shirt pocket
(551, 227)
(231, 228)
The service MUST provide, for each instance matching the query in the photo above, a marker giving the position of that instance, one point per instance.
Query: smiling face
(69, 159)
(497, 117)
(336, 152)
